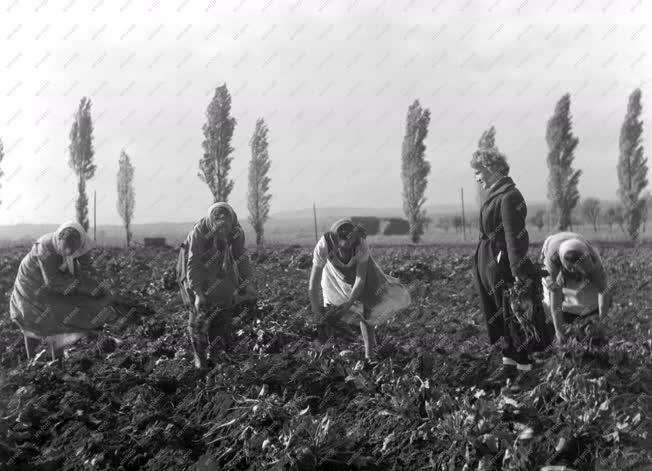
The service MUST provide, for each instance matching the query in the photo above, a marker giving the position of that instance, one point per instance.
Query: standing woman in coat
(501, 259)
(55, 296)
(214, 274)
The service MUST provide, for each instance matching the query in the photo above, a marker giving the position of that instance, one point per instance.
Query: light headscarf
(332, 237)
(579, 246)
(85, 246)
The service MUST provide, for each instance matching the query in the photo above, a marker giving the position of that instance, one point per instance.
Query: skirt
(382, 298)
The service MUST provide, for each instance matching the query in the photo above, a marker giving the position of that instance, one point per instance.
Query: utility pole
(94, 215)
(463, 218)
(314, 214)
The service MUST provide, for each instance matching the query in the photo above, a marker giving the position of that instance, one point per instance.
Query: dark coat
(502, 224)
(201, 265)
(47, 301)
(501, 255)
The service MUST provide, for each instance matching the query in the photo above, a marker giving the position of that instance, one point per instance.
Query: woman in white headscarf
(347, 274)
(55, 296)
(577, 287)
(214, 273)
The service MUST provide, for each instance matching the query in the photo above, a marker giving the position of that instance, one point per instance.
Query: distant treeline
(384, 226)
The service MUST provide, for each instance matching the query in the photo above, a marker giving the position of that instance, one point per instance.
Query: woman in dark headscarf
(214, 273)
(347, 274)
(501, 261)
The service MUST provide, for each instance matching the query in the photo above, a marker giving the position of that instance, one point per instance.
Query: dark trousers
(491, 279)
(211, 328)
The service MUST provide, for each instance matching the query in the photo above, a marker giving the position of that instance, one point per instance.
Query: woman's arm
(90, 278)
(241, 257)
(360, 281)
(55, 279)
(599, 278)
(194, 274)
(513, 211)
(313, 288)
(556, 302)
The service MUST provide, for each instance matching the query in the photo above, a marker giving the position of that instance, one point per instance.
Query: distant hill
(333, 213)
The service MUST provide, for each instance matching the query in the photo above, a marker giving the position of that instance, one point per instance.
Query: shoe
(201, 362)
(501, 375)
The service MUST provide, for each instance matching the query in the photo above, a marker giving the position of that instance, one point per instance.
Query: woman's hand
(200, 301)
(604, 304)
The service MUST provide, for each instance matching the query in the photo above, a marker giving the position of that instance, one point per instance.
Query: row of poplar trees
(214, 166)
(563, 179)
(81, 153)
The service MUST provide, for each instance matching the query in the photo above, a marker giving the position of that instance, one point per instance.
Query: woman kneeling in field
(214, 273)
(55, 297)
(347, 273)
(576, 288)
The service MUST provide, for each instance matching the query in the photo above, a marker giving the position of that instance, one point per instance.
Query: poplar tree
(563, 179)
(258, 197)
(632, 167)
(215, 164)
(415, 169)
(81, 156)
(126, 194)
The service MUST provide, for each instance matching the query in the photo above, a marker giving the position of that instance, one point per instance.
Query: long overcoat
(502, 255)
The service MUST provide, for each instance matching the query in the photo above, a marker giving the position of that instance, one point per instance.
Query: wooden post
(94, 215)
(314, 214)
(463, 217)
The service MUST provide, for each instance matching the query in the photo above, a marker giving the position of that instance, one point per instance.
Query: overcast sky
(333, 79)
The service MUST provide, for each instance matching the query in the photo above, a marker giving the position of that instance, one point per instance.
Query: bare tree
(591, 211)
(610, 217)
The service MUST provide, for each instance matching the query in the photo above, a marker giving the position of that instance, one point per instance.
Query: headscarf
(578, 246)
(228, 208)
(86, 245)
(332, 238)
(228, 260)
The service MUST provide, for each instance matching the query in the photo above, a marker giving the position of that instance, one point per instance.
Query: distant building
(155, 242)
